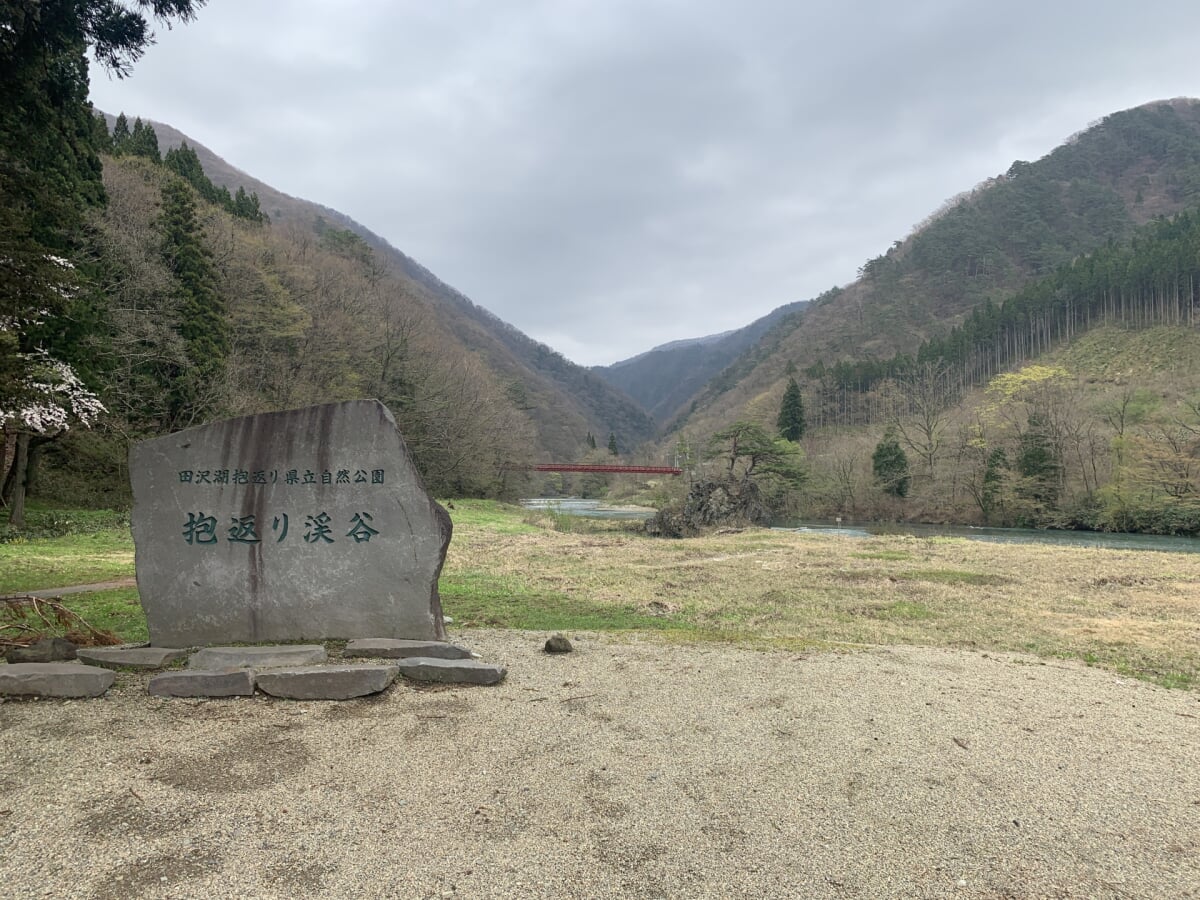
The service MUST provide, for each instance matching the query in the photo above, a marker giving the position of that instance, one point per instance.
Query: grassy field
(1133, 612)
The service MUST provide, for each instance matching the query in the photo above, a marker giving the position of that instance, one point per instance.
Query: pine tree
(203, 318)
(791, 422)
(890, 465)
(143, 141)
(612, 443)
(120, 135)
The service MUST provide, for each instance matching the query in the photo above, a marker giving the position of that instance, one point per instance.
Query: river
(598, 509)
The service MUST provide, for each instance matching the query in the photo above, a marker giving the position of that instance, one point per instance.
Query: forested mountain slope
(565, 402)
(197, 299)
(665, 378)
(981, 246)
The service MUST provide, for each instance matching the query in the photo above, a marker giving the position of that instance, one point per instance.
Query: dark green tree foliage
(120, 135)
(203, 316)
(791, 413)
(749, 453)
(183, 161)
(143, 142)
(991, 497)
(1038, 463)
(590, 440)
(49, 168)
(890, 465)
(612, 444)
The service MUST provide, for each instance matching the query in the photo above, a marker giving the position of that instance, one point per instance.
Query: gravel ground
(620, 770)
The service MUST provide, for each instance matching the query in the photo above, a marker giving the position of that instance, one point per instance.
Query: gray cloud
(612, 174)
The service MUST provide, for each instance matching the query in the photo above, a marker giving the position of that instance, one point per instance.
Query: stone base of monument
(274, 655)
(395, 648)
(132, 657)
(451, 671)
(326, 682)
(200, 683)
(54, 679)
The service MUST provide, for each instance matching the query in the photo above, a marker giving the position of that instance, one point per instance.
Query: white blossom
(58, 398)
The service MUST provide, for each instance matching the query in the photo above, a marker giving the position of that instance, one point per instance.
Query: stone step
(451, 671)
(135, 657)
(219, 658)
(326, 682)
(394, 648)
(200, 683)
(54, 679)
(46, 650)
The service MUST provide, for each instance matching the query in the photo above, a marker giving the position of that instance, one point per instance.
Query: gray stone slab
(136, 657)
(56, 679)
(452, 671)
(46, 650)
(199, 683)
(301, 525)
(326, 682)
(395, 648)
(218, 659)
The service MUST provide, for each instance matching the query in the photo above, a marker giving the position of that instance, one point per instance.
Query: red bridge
(629, 470)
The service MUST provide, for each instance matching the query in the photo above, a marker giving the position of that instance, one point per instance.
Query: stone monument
(300, 525)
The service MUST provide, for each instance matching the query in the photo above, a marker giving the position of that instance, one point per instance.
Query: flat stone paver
(326, 682)
(56, 679)
(220, 658)
(451, 671)
(396, 648)
(200, 683)
(136, 657)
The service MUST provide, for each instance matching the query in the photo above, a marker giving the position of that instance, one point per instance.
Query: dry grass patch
(1131, 611)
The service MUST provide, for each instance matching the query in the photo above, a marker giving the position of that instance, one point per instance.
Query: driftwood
(26, 619)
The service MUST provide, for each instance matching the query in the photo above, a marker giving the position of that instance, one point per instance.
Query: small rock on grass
(558, 644)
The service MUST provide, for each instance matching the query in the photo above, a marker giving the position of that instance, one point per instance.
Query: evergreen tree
(143, 141)
(791, 413)
(612, 443)
(890, 465)
(991, 498)
(203, 318)
(50, 173)
(1038, 463)
(590, 440)
(120, 135)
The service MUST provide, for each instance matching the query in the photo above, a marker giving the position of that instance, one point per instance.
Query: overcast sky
(608, 175)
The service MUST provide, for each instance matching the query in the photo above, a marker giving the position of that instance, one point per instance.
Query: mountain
(565, 401)
(978, 248)
(663, 379)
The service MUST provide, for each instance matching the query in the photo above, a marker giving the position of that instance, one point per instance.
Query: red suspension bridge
(628, 470)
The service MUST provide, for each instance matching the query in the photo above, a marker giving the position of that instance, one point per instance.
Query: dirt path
(620, 770)
(45, 593)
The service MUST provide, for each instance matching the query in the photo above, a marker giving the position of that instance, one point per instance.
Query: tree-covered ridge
(983, 245)
(142, 140)
(1153, 279)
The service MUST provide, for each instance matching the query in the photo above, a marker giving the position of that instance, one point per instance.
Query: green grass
(476, 598)
(1128, 612)
(102, 555)
(118, 611)
(500, 518)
